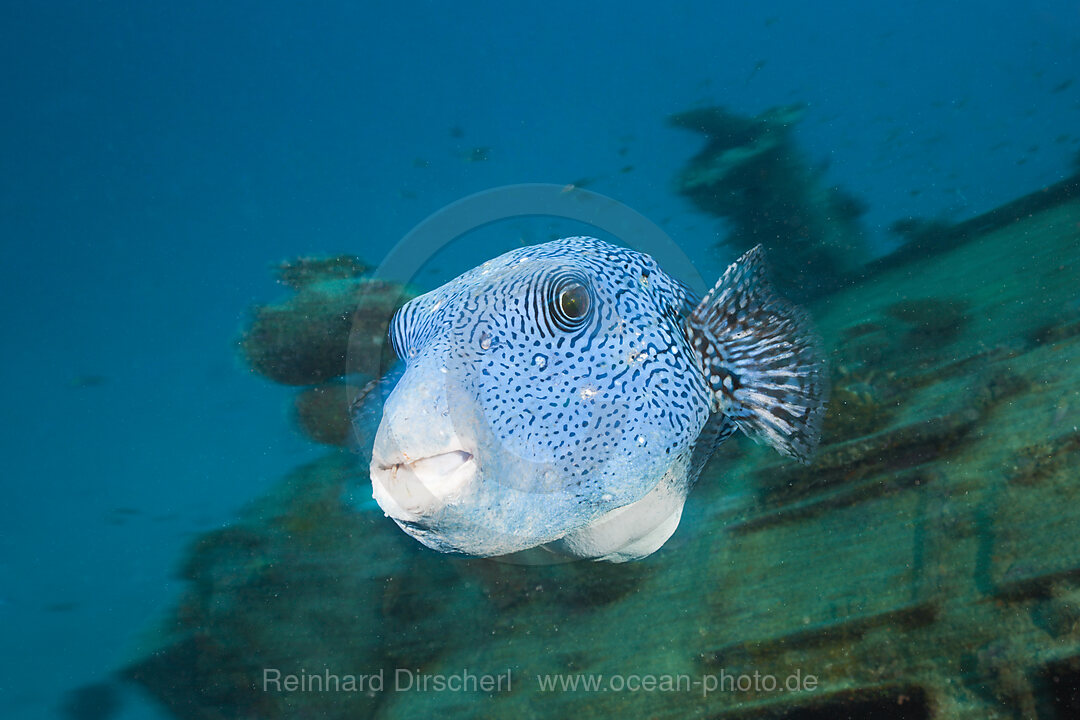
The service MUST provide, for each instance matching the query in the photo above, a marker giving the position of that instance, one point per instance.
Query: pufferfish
(565, 397)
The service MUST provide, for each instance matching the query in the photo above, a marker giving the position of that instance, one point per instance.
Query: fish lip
(412, 489)
(406, 461)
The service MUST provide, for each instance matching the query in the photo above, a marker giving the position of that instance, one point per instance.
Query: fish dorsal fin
(761, 358)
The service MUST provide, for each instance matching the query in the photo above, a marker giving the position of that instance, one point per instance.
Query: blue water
(156, 159)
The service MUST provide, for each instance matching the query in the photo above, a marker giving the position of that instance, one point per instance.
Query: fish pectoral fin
(761, 358)
(366, 405)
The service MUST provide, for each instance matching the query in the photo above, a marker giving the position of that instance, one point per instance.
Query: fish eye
(574, 301)
(569, 303)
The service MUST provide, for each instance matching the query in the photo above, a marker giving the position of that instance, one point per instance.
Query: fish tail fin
(762, 359)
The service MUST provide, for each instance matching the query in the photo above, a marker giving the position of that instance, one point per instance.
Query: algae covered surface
(927, 564)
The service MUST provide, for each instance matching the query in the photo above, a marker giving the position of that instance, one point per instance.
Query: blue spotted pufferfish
(565, 397)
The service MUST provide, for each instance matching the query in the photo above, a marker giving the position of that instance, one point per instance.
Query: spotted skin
(555, 395)
(575, 376)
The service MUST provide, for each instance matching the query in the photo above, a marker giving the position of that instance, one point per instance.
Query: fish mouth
(408, 489)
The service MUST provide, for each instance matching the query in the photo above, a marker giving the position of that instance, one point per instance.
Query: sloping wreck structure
(926, 565)
(751, 173)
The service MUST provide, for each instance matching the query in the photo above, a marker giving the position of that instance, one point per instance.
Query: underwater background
(158, 160)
